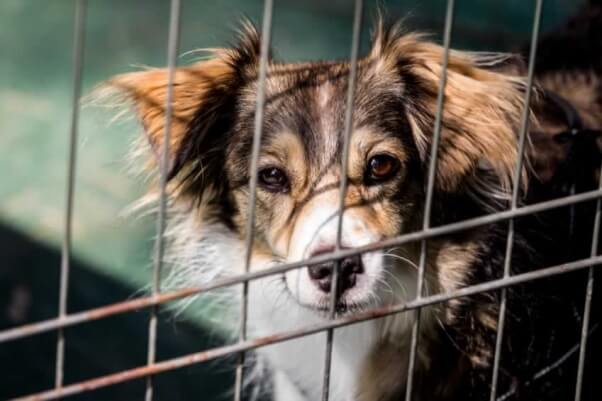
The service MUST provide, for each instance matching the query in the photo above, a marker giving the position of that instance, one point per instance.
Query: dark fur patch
(395, 99)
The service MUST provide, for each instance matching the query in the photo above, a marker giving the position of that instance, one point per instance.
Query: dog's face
(299, 173)
(300, 158)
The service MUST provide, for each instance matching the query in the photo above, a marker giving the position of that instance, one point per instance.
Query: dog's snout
(349, 269)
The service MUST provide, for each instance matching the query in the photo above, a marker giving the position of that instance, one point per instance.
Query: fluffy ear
(194, 89)
(482, 110)
(202, 100)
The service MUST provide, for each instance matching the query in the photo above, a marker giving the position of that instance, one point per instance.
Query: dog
(299, 172)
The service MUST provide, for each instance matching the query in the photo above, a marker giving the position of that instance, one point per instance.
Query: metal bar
(589, 292)
(266, 33)
(516, 184)
(247, 345)
(143, 302)
(79, 31)
(432, 170)
(355, 45)
(172, 54)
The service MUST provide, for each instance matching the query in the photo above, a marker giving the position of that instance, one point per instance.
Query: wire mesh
(169, 296)
(200, 357)
(157, 297)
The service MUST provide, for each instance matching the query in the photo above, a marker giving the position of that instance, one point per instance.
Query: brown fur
(398, 80)
(479, 127)
(481, 110)
(148, 90)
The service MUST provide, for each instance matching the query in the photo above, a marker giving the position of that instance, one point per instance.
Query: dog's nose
(348, 270)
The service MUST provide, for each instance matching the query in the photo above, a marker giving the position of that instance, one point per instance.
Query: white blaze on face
(316, 232)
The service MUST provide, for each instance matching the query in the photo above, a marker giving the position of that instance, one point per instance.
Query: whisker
(400, 284)
(404, 259)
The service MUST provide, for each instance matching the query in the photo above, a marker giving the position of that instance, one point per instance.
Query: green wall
(35, 90)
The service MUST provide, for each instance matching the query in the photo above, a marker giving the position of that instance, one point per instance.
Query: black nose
(348, 270)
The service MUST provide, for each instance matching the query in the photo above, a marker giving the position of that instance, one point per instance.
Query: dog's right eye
(273, 179)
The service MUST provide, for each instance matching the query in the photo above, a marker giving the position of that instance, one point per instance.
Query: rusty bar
(432, 170)
(266, 33)
(172, 54)
(79, 32)
(516, 184)
(355, 45)
(94, 314)
(143, 302)
(247, 345)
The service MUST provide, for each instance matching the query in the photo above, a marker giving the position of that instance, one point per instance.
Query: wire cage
(157, 297)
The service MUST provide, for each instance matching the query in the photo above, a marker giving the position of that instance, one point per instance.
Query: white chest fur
(199, 256)
(298, 365)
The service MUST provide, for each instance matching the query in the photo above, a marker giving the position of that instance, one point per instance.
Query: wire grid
(157, 297)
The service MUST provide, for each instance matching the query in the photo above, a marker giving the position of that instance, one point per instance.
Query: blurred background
(111, 251)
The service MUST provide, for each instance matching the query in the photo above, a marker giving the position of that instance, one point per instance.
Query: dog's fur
(394, 114)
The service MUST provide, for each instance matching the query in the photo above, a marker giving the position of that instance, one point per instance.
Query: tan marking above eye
(366, 144)
(286, 151)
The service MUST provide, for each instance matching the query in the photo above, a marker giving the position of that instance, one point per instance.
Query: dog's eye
(381, 168)
(273, 179)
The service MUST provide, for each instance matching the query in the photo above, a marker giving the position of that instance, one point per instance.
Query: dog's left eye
(380, 168)
(273, 179)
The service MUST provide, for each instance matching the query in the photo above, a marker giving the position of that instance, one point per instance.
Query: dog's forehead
(309, 100)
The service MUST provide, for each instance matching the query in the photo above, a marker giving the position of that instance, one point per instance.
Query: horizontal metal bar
(143, 302)
(375, 313)
(94, 314)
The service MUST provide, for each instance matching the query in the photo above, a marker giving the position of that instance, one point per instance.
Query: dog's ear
(481, 113)
(202, 100)
(192, 91)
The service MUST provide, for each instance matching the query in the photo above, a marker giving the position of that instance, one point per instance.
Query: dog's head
(299, 168)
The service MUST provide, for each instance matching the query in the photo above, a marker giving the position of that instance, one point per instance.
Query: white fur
(199, 255)
(318, 230)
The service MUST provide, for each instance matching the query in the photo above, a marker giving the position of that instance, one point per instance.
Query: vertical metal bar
(515, 194)
(589, 292)
(432, 171)
(266, 34)
(355, 44)
(77, 65)
(172, 53)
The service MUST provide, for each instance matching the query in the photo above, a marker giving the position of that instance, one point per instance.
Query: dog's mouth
(342, 307)
(322, 307)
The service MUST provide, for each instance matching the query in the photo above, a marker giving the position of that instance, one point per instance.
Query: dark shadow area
(29, 277)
